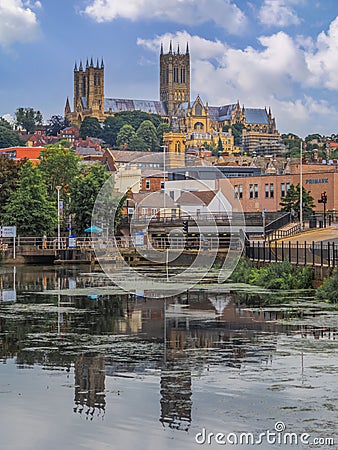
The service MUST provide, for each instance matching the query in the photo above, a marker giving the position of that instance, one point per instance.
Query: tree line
(29, 195)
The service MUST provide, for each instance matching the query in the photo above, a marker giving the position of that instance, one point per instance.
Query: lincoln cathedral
(193, 122)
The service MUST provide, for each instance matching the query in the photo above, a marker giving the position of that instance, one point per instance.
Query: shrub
(329, 289)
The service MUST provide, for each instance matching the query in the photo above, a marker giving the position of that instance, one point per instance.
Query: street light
(58, 188)
(164, 171)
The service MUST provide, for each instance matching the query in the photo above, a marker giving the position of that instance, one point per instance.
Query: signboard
(130, 211)
(139, 239)
(8, 295)
(72, 242)
(8, 232)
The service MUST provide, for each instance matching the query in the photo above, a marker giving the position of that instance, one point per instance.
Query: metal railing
(324, 254)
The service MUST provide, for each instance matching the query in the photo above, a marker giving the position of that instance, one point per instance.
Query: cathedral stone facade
(198, 122)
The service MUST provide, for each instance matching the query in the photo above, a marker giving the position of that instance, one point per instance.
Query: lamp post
(58, 188)
(301, 187)
(164, 172)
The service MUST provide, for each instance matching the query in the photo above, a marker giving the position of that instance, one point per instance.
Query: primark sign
(316, 180)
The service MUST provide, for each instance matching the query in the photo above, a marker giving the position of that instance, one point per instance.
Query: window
(147, 185)
(251, 191)
(287, 186)
(266, 191)
(182, 75)
(198, 110)
(162, 184)
(282, 194)
(236, 191)
(175, 74)
(240, 191)
(256, 190)
(144, 211)
(154, 211)
(271, 190)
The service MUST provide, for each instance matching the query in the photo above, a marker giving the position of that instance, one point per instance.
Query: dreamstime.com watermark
(277, 437)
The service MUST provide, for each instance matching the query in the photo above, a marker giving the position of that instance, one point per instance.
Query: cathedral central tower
(174, 78)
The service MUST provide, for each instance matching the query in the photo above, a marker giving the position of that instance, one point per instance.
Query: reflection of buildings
(176, 397)
(90, 385)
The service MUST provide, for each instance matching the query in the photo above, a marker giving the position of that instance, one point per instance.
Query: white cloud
(278, 13)
(223, 13)
(323, 60)
(18, 22)
(278, 75)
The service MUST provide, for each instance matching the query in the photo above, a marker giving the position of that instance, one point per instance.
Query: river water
(85, 366)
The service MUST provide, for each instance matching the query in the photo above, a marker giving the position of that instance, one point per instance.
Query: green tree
(9, 176)
(160, 130)
(329, 289)
(137, 144)
(29, 206)
(125, 135)
(111, 127)
(56, 124)
(90, 127)
(236, 130)
(28, 118)
(292, 201)
(147, 132)
(59, 167)
(220, 145)
(9, 137)
(83, 191)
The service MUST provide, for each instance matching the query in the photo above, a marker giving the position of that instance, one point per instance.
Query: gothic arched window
(198, 109)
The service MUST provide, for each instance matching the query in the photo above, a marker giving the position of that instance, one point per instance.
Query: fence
(324, 254)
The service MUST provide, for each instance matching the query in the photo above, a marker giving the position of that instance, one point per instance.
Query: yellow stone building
(193, 123)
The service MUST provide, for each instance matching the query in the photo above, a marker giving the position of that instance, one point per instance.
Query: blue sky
(278, 53)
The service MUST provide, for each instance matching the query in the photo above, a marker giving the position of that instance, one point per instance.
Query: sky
(281, 54)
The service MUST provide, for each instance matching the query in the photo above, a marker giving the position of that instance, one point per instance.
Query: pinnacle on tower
(97, 63)
(187, 49)
(170, 47)
(80, 66)
(75, 67)
(91, 62)
(87, 64)
(102, 64)
(178, 49)
(161, 48)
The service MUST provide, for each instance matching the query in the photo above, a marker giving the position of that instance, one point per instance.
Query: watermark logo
(276, 437)
(146, 235)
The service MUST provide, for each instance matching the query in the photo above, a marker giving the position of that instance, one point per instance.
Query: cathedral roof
(124, 104)
(255, 115)
(221, 113)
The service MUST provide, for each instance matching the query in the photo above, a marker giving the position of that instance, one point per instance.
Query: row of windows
(179, 75)
(269, 190)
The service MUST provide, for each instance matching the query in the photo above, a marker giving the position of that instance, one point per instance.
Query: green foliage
(292, 201)
(243, 271)
(112, 125)
(125, 136)
(29, 206)
(220, 145)
(160, 130)
(59, 167)
(90, 127)
(147, 132)
(28, 118)
(83, 191)
(9, 177)
(56, 124)
(236, 131)
(329, 289)
(280, 275)
(137, 144)
(9, 137)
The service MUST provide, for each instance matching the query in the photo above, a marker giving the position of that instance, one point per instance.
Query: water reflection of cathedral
(90, 397)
